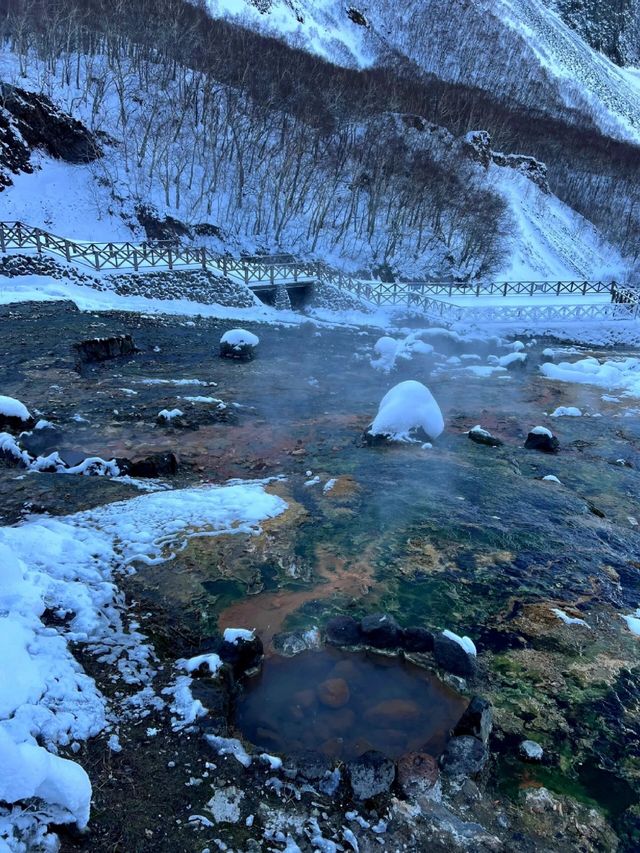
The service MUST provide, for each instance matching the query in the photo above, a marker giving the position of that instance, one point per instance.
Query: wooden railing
(261, 272)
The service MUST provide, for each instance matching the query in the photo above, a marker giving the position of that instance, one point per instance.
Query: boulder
(418, 640)
(452, 657)
(542, 439)
(483, 436)
(370, 775)
(14, 415)
(155, 465)
(477, 720)
(465, 756)
(419, 776)
(104, 349)
(241, 649)
(310, 765)
(380, 631)
(238, 344)
(343, 631)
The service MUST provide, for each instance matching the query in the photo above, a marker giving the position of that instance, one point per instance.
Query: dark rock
(215, 696)
(343, 631)
(477, 720)
(452, 657)
(481, 436)
(103, 349)
(29, 120)
(464, 756)
(418, 775)
(9, 423)
(542, 442)
(156, 465)
(240, 352)
(381, 631)
(161, 229)
(242, 654)
(370, 774)
(310, 765)
(417, 640)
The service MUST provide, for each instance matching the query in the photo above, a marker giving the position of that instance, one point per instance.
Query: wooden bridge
(444, 302)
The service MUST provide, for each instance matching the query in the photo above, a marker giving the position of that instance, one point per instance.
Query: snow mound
(29, 771)
(540, 430)
(407, 408)
(12, 408)
(566, 412)
(240, 338)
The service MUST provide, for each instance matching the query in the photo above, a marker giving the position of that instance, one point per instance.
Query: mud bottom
(343, 704)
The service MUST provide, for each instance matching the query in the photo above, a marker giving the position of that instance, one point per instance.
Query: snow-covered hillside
(486, 43)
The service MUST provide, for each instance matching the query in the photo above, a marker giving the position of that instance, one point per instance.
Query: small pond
(343, 704)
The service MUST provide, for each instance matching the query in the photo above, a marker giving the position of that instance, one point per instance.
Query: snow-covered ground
(68, 566)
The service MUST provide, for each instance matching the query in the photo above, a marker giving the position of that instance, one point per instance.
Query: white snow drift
(407, 407)
(12, 408)
(622, 374)
(66, 566)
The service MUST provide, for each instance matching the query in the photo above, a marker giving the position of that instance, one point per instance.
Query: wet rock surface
(459, 538)
(370, 775)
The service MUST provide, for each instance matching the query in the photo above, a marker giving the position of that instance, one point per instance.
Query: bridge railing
(262, 271)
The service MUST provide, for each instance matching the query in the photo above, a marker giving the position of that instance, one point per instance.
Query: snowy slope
(487, 43)
(550, 240)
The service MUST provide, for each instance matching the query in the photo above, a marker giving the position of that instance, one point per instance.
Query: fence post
(96, 259)
(19, 233)
(478, 289)
(135, 260)
(170, 258)
(203, 258)
(67, 251)
(38, 246)
(3, 246)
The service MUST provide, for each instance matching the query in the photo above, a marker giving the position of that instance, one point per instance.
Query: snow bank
(623, 374)
(568, 620)
(12, 408)
(407, 407)
(46, 700)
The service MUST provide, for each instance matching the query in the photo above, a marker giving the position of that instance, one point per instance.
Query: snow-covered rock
(483, 436)
(541, 438)
(408, 412)
(238, 343)
(14, 415)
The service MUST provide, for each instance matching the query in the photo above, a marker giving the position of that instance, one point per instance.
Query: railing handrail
(271, 270)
